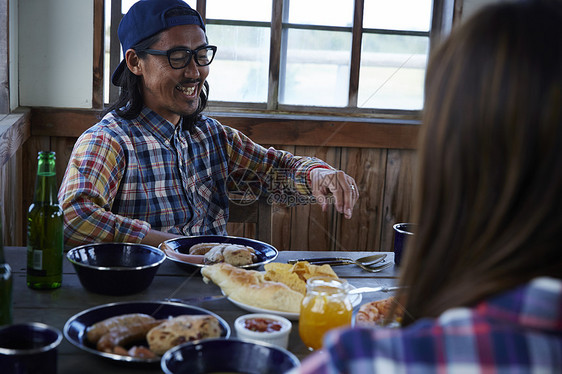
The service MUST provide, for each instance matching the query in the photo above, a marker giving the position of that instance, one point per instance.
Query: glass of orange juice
(325, 306)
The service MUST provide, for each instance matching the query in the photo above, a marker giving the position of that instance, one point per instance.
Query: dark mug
(402, 231)
(29, 348)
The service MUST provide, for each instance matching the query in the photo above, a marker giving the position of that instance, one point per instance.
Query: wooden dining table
(55, 307)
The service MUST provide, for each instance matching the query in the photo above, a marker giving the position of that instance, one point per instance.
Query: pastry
(249, 287)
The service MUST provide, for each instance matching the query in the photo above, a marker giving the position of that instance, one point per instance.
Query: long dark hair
(488, 203)
(130, 102)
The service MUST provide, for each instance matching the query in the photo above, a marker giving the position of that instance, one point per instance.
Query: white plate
(355, 300)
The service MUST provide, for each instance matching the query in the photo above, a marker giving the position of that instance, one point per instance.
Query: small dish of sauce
(262, 324)
(267, 328)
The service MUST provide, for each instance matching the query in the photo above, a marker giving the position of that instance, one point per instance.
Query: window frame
(4, 58)
(444, 13)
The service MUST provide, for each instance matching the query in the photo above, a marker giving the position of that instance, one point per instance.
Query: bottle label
(37, 259)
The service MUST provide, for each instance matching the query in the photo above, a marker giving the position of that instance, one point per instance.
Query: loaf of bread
(181, 329)
(249, 287)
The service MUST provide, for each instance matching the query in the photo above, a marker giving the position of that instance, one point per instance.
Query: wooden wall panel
(384, 178)
(62, 146)
(247, 230)
(282, 216)
(281, 227)
(362, 231)
(31, 147)
(311, 228)
(398, 194)
(317, 131)
(235, 229)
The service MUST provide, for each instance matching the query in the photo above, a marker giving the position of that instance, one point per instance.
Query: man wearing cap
(154, 167)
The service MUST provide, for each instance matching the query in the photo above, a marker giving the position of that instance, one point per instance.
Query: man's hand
(328, 182)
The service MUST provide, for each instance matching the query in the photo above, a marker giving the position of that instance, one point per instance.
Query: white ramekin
(279, 338)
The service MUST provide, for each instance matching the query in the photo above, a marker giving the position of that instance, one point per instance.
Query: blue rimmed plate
(76, 326)
(264, 252)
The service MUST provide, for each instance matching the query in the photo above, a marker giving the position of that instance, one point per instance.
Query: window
(338, 56)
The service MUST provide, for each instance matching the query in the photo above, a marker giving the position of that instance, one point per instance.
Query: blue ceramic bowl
(29, 348)
(228, 356)
(115, 268)
(75, 329)
(264, 252)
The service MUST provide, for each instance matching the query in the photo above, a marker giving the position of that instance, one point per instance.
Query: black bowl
(29, 348)
(229, 356)
(115, 268)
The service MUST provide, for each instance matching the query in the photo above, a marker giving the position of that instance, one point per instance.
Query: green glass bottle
(44, 228)
(5, 286)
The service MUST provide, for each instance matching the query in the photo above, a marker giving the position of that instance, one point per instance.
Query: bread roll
(215, 255)
(239, 255)
(97, 330)
(249, 287)
(182, 329)
(234, 254)
(124, 336)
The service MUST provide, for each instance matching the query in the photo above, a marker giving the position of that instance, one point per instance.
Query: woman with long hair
(483, 271)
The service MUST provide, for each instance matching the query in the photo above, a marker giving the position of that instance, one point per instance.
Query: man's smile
(189, 91)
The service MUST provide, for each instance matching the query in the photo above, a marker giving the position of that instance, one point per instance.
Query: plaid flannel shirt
(519, 331)
(127, 176)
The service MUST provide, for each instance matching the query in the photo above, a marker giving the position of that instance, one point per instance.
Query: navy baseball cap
(147, 18)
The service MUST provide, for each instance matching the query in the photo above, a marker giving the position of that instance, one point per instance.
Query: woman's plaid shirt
(518, 331)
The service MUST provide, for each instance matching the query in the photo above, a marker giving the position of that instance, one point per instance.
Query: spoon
(361, 262)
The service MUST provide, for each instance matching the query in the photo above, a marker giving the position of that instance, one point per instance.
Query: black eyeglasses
(180, 57)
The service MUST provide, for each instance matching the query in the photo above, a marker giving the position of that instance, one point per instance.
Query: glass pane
(126, 4)
(414, 15)
(392, 71)
(317, 68)
(240, 10)
(321, 12)
(240, 69)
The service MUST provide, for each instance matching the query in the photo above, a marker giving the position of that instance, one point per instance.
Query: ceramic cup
(29, 348)
(402, 232)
